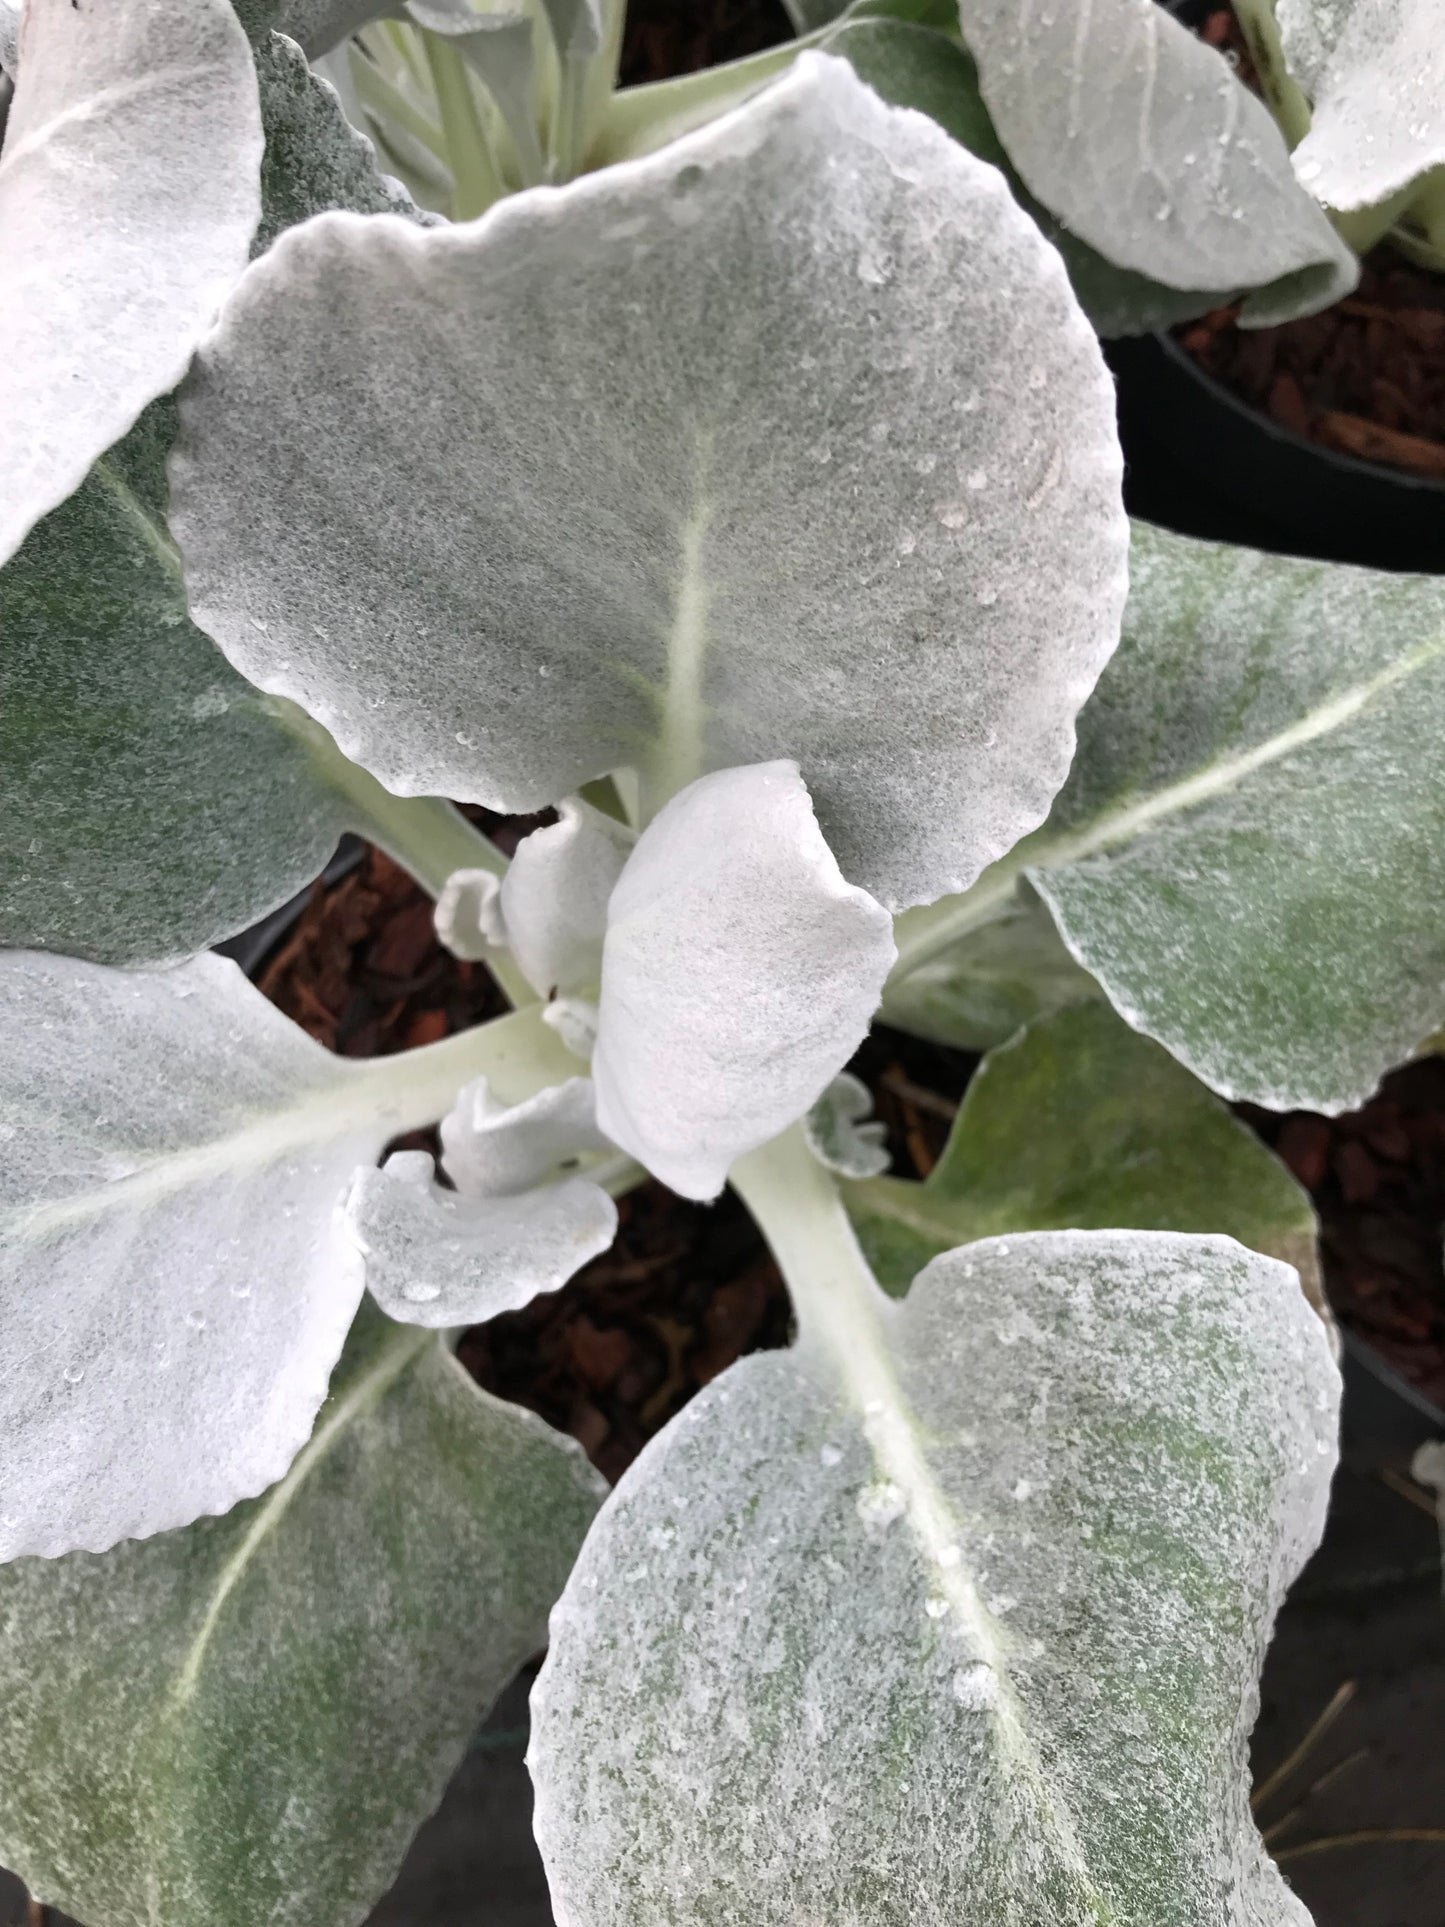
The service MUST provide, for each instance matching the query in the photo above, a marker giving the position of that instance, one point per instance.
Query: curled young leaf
(248, 1720)
(955, 1612)
(1140, 140)
(738, 976)
(786, 440)
(1374, 71)
(174, 1278)
(433, 1257)
(842, 1133)
(1249, 854)
(129, 193)
(495, 1150)
(553, 898)
(467, 917)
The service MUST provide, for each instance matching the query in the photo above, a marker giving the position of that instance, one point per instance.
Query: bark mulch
(689, 1288)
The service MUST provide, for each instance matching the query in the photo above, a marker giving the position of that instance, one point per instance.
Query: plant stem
(836, 1298)
(518, 1054)
(474, 171)
(1283, 96)
(428, 837)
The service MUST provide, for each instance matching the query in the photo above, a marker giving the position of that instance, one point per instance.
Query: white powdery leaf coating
(1375, 73)
(175, 1287)
(494, 1150)
(786, 440)
(739, 975)
(468, 915)
(839, 1131)
(248, 1720)
(129, 192)
(554, 898)
(1141, 140)
(957, 1623)
(1249, 854)
(435, 1258)
(320, 25)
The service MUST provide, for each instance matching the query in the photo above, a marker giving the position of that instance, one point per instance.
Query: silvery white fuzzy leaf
(9, 36)
(839, 1133)
(576, 27)
(952, 1617)
(1248, 854)
(468, 915)
(1375, 74)
(738, 976)
(246, 1721)
(154, 802)
(129, 193)
(913, 66)
(494, 1150)
(1079, 1123)
(175, 1280)
(435, 1258)
(1140, 139)
(851, 493)
(574, 1019)
(320, 25)
(554, 897)
(498, 46)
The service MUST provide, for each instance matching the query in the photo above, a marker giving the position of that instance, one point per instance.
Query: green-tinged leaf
(953, 1614)
(1374, 71)
(1249, 854)
(153, 800)
(835, 464)
(1080, 1122)
(914, 67)
(1141, 141)
(246, 1721)
(128, 198)
(176, 1278)
(978, 991)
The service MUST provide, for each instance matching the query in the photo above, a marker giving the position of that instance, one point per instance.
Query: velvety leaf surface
(739, 974)
(786, 440)
(492, 1150)
(176, 1288)
(553, 899)
(913, 67)
(435, 1258)
(953, 1615)
(175, 1280)
(246, 1721)
(1140, 140)
(979, 991)
(128, 198)
(1080, 1122)
(1375, 74)
(1249, 854)
(154, 801)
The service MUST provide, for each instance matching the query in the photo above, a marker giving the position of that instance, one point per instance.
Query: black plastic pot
(1198, 460)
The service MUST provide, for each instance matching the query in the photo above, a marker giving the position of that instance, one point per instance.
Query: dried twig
(1367, 1836)
(1341, 1699)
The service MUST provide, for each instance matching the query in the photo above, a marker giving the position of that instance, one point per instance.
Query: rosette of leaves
(764, 487)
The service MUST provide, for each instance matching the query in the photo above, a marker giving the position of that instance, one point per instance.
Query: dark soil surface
(1365, 378)
(665, 37)
(689, 1288)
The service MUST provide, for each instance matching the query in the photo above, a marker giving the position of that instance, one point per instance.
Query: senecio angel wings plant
(744, 487)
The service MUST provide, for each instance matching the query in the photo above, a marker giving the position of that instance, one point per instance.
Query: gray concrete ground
(1367, 1611)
